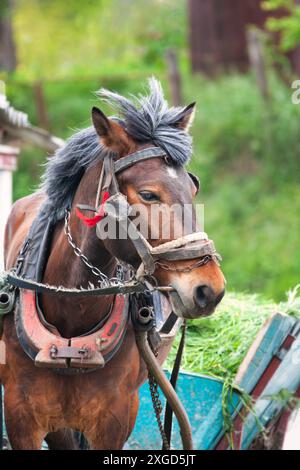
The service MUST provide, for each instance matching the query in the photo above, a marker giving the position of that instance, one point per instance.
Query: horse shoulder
(22, 214)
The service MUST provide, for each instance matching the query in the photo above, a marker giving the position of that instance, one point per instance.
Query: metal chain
(157, 405)
(186, 269)
(104, 280)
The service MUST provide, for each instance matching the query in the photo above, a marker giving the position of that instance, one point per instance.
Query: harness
(94, 349)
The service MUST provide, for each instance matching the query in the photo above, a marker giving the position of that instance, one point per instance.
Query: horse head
(155, 186)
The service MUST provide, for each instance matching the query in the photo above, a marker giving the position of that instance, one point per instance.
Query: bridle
(114, 206)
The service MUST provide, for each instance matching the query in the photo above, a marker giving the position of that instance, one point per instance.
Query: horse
(41, 404)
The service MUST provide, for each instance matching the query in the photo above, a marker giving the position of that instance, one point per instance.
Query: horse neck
(74, 316)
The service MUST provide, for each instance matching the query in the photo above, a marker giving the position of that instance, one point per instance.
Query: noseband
(191, 246)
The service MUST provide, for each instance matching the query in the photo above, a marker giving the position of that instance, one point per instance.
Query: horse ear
(100, 121)
(112, 134)
(187, 117)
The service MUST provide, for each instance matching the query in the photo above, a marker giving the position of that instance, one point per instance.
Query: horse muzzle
(201, 304)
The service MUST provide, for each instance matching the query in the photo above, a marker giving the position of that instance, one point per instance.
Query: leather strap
(193, 251)
(40, 288)
(174, 376)
(117, 207)
(141, 155)
(110, 183)
(169, 323)
(86, 207)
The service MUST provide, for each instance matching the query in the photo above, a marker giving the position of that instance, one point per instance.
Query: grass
(216, 345)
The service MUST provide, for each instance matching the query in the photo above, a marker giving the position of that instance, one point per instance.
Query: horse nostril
(203, 295)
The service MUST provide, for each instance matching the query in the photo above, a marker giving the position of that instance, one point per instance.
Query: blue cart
(270, 373)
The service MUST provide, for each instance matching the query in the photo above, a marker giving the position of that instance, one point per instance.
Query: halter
(114, 205)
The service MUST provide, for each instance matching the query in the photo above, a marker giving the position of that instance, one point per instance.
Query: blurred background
(236, 59)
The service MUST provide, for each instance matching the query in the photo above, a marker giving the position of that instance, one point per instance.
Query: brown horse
(103, 404)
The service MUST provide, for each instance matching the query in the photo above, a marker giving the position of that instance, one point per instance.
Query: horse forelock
(149, 119)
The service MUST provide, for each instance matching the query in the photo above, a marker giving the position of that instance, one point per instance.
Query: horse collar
(83, 353)
(40, 341)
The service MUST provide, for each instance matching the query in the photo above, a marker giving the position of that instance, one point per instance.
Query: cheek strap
(108, 186)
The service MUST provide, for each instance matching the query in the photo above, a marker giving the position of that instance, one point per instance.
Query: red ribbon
(91, 222)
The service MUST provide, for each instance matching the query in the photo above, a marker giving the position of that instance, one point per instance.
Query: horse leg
(109, 434)
(24, 433)
(113, 430)
(63, 439)
(133, 413)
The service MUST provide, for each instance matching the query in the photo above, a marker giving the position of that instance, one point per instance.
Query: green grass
(217, 345)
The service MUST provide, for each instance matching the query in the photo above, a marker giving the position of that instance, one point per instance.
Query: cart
(270, 374)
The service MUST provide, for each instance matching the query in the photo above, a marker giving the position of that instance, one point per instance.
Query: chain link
(104, 280)
(189, 268)
(157, 405)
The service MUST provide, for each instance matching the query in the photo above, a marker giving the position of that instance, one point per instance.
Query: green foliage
(72, 38)
(288, 25)
(236, 130)
(4, 8)
(247, 154)
(256, 230)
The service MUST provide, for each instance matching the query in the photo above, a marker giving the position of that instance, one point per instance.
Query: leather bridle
(192, 246)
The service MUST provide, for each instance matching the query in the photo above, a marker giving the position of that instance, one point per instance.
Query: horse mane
(146, 118)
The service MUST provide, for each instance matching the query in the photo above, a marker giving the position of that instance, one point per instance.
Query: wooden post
(40, 104)
(8, 164)
(256, 57)
(8, 59)
(217, 33)
(174, 77)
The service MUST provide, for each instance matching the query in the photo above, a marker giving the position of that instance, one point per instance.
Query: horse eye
(148, 196)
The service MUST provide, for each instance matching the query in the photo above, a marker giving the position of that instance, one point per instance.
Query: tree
(288, 24)
(95, 37)
(7, 45)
